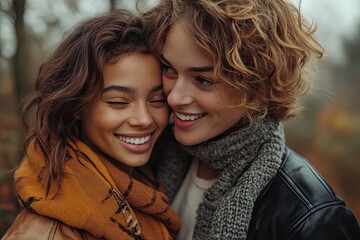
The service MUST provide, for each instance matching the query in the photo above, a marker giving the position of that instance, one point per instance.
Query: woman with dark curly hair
(98, 109)
(232, 72)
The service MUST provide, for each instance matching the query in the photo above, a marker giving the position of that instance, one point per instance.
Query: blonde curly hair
(258, 47)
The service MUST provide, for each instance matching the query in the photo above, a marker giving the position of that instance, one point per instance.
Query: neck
(125, 168)
(206, 172)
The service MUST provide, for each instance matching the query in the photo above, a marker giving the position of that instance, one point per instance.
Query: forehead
(135, 70)
(180, 46)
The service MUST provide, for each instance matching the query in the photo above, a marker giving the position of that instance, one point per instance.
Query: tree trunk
(21, 61)
(113, 5)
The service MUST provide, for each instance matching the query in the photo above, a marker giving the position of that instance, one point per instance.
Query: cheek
(100, 119)
(232, 116)
(161, 116)
(97, 124)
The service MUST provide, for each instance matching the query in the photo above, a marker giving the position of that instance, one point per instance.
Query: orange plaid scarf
(102, 200)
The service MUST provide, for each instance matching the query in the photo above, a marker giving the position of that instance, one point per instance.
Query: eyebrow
(119, 89)
(190, 69)
(130, 89)
(156, 88)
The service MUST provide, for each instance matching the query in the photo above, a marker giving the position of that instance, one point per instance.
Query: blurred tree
(328, 132)
(21, 57)
(349, 71)
(348, 76)
(15, 10)
(113, 4)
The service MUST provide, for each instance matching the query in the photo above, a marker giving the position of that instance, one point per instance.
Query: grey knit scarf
(247, 160)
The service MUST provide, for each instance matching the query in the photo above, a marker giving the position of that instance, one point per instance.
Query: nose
(180, 93)
(141, 116)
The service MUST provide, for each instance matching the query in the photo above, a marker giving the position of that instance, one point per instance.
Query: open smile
(189, 117)
(135, 140)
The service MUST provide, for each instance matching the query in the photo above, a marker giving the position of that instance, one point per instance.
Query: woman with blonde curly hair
(232, 72)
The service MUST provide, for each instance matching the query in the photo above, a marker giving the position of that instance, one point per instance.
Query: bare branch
(9, 12)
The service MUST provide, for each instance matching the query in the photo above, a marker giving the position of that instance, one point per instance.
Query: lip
(137, 148)
(187, 123)
(135, 135)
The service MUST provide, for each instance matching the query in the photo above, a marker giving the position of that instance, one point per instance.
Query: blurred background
(327, 132)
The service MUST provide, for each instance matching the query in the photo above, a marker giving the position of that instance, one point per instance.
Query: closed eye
(159, 102)
(117, 103)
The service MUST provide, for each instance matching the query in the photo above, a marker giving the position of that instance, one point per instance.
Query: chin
(138, 162)
(186, 141)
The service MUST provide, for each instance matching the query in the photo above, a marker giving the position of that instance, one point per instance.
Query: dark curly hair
(71, 78)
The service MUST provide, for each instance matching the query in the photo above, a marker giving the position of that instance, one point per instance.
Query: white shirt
(188, 198)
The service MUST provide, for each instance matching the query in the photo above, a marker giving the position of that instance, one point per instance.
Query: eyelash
(165, 69)
(118, 103)
(158, 101)
(204, 82)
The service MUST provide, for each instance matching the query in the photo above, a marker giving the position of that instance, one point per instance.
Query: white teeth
(135, 141)
(188, 117)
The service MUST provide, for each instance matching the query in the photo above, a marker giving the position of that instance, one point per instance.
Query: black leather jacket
(299, 204)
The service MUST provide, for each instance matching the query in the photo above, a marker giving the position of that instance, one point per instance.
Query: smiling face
(199, 100)
(123, 125)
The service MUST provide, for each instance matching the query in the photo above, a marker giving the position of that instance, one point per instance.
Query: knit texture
(97, 197)
(247, 160)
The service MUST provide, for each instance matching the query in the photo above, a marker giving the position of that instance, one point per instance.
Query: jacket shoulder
(305, 183)
(298, 203)
(32, 226)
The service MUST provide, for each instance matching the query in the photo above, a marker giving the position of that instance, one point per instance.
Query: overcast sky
(336, 19)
